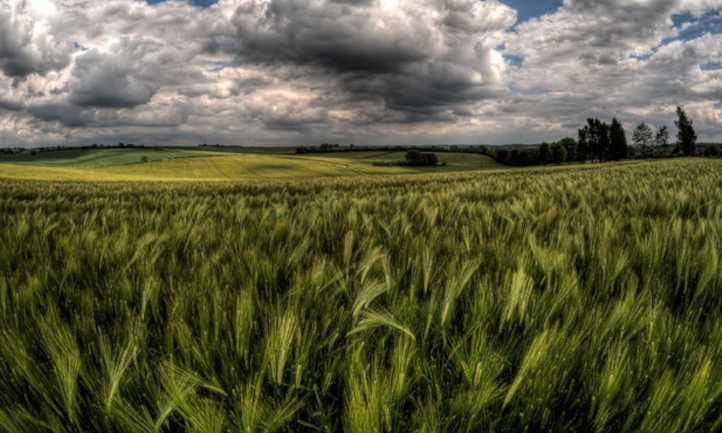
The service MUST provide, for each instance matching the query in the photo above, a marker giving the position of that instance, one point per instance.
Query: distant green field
(195, 165)
(100, 157)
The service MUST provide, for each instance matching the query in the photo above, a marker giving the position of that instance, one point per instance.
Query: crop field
(574, 299)
(92, 158)
(185, 165)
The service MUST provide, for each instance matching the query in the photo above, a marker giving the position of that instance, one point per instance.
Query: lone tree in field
(642, 138)
(686, 137)
(618, 141)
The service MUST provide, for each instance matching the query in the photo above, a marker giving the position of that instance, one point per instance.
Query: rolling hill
(195, 165)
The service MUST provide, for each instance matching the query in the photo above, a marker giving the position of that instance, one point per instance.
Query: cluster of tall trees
(561, 151)
(649, 144)
(598, 141)
(601, 141)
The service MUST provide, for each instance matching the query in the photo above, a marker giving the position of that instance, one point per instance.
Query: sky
(368, 72)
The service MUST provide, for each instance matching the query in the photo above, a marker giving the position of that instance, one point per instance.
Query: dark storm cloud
(419, 57)
(10, 105)
(339, 36)
(287, 125)
(68, 115)
(109, 82)
(24, 48)
(72, 116)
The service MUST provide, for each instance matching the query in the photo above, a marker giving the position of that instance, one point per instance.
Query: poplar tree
(583, 144)
(603, 132)
(593, 137)
(686, 137)
(618, 140)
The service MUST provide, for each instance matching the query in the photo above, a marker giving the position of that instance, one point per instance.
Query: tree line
(599, 141)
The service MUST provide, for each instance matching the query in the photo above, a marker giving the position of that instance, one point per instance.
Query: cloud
(10, 105)
(26, 44)
(67, 115)
(364, 71)
(109, 81)
(612, 58)
(418, 58)
(593, 32)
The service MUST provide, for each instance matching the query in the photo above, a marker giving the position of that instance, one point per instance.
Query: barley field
(573, 299)
(180, 165)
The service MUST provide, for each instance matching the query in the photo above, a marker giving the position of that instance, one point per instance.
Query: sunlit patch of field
(224, 167)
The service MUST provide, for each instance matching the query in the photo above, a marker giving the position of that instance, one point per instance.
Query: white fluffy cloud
(363, 71)
(614, 58)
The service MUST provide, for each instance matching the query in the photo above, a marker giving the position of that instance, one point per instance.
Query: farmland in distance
(202, 165)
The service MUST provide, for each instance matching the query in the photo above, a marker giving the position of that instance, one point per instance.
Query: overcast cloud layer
(298, 72)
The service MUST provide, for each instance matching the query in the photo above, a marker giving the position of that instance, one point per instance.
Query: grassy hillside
(100, 157)
(231, 166)
(549, 300)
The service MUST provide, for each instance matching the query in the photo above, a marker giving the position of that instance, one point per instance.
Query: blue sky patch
(219, 66)
(527, 10)
(711, 22)
(712, 66)
(642, 58)
(679, 19)
(514, 60)
(526, 92)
